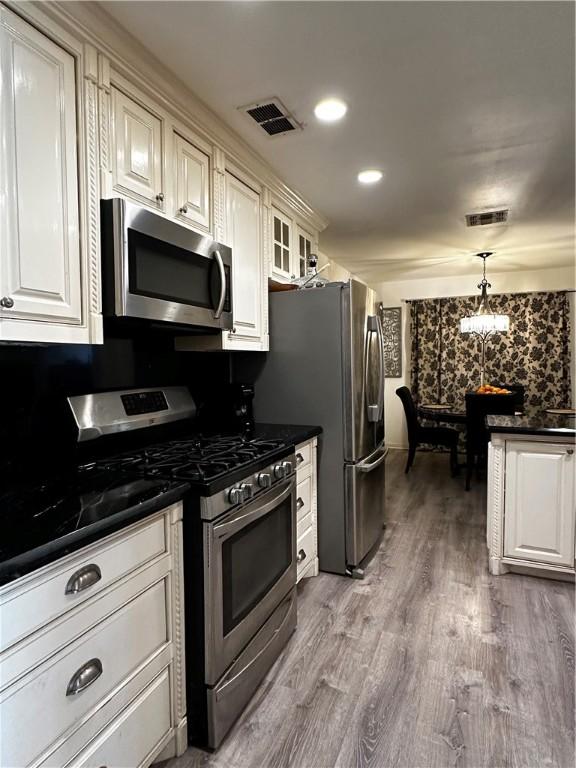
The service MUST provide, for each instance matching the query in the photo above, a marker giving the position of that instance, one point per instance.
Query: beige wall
(334, 273)
(392, 293)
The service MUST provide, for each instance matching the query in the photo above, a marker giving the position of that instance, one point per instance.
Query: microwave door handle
(222, 298)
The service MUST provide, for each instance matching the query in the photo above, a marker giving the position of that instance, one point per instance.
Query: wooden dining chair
(477, 435)
(417, 434)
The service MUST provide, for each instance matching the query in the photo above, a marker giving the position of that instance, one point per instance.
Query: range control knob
(264, 479)
(279, 471)
(247, 490)
(235, 495)
(287, 468)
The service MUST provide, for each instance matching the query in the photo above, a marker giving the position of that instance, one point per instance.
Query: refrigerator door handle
(374, 409)
(382, 371)
(368, 467)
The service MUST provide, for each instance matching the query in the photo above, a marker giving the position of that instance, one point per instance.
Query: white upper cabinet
(244, 237)
(137, 150)
(304, 247)
(539, 507)
(192, 183)
(40, 268)
(291, 248)
(282, 261)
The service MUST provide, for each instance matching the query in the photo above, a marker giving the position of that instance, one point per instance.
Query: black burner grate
(194, 459)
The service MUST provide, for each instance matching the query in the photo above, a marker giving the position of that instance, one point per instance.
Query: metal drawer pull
(85, 676)
(299, 503)
(299, 458)
(83, 579)
(301, 556)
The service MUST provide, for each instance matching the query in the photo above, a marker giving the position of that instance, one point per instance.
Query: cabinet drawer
(38, 599)
(303, 498)
(306, 549)
(42, 707)
(303, 456)
(134, 737)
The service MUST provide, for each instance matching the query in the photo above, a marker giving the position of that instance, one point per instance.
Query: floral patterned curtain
(535, 352)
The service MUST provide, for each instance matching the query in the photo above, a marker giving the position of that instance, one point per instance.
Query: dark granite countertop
(533, 422)
(292, 434)
(41, 523)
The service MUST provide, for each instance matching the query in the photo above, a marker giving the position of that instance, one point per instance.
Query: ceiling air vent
(488, 217)
(272, 116)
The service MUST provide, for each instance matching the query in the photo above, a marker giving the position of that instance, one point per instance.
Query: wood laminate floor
(429, 662)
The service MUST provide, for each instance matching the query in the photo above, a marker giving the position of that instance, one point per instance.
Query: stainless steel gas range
(239, 533)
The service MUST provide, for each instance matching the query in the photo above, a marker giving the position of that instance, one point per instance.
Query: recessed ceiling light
(369, 177)
(330, 110)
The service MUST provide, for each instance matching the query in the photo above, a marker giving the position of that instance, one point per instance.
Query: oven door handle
(260, 507)
(222, 298)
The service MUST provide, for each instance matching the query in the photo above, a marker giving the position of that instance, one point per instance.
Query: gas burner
(200, 458)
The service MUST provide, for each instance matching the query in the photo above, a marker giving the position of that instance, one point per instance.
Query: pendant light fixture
(484, 322)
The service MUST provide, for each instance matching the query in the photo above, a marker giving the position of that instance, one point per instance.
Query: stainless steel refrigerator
(325, 366)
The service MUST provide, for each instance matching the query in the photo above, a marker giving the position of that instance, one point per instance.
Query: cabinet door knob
(82, 579)
(299, 503)
(301, 556)
(570, 451)
(183, 209)
(160, 197)
(299, 458)
(6, 302)
(85, 676)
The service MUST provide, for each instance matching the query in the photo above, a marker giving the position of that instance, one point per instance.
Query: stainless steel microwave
(156, 269)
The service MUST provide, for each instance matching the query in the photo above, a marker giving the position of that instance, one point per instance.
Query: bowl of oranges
(488, 389)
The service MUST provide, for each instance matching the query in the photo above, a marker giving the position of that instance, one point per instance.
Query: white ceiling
(465, 106)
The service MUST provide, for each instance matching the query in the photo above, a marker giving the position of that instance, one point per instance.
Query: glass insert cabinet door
(304, 251)
(282, 228)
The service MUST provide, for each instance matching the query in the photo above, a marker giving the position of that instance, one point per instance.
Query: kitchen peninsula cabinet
(531, 501)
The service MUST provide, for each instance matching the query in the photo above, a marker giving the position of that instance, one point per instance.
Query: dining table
(450, 413)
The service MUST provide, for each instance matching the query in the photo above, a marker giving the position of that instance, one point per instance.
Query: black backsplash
(35, 380)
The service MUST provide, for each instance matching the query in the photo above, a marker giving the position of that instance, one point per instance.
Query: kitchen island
(531, 519)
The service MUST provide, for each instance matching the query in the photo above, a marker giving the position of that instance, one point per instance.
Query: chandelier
(484, 322)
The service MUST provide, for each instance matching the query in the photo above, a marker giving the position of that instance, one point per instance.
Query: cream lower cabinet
(306, 510)
(96, 676)
(531, 504)
(40, 262)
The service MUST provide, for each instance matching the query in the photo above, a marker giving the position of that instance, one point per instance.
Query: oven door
(249, 567)
(162, 270)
